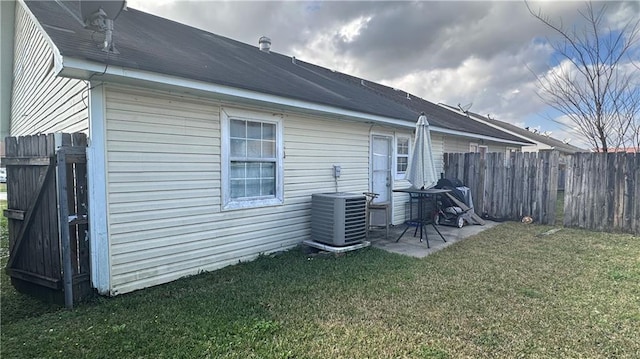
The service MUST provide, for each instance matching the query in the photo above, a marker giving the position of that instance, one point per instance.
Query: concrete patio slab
(411, 246)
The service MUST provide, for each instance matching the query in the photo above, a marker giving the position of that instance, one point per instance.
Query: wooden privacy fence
(47, 213)
(603, 192)
(524, 184)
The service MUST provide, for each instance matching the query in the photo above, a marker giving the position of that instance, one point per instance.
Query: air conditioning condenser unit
(338, 218)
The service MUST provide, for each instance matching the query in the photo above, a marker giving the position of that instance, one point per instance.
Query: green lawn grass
(560, 209)
(3, 187)
(505, 293)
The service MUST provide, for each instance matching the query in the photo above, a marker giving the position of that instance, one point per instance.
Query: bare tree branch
(593, 83)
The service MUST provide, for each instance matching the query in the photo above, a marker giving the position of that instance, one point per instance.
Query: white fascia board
(475, 136)
(83, 69)
(57, 57)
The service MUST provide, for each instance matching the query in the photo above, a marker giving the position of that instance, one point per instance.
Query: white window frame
(401, 175)
(483, 154)
(509, 150)
(228, 203)
(476, 148)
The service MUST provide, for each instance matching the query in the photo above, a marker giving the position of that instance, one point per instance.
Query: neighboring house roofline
(477, 136)
(534, 138)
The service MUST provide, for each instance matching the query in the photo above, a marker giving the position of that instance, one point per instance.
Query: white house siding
(537, 147)
(437, 144)
(455, 144)
(42, 102)
(163, 173)
(313, 146)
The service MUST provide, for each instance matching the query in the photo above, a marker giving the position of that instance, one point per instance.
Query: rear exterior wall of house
(166, 210)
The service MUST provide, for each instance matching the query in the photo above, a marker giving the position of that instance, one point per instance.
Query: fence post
(63, 220)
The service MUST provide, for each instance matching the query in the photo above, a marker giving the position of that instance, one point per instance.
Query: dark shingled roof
(151, 43)
(547, 140)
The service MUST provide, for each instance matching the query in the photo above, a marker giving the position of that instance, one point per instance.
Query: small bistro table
(426, 199)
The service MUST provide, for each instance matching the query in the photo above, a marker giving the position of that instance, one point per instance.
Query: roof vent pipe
(265, 44)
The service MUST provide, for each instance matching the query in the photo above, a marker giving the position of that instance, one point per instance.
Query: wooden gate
(47, 213)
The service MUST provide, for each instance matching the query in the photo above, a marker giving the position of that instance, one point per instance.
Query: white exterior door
(380, 173)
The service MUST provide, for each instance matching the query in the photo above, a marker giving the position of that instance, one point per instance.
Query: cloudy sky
(452, 52)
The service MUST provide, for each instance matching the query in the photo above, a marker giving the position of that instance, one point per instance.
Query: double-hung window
(402, 156)
(252, 172)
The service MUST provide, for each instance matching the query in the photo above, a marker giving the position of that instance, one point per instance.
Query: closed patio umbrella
(421, 171)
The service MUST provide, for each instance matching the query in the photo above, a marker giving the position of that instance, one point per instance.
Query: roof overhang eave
(94, 71)
(98, 72)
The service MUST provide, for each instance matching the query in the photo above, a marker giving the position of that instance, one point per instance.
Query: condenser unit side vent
(338, 218)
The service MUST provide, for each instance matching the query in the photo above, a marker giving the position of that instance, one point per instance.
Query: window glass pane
(253, 170)
(254, 130)
(268, 170)
(252, 188)
(238, 148)
(403, 146)
(238, 128)
(237, 188)
(268, 187)
(268, 149)
(402, 164)
(252, 159)
(268, 131)
(254, 148)
(237, 170)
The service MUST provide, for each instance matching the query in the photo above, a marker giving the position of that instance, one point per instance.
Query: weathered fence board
(525, 184)
(603, 192)
(36, 227)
